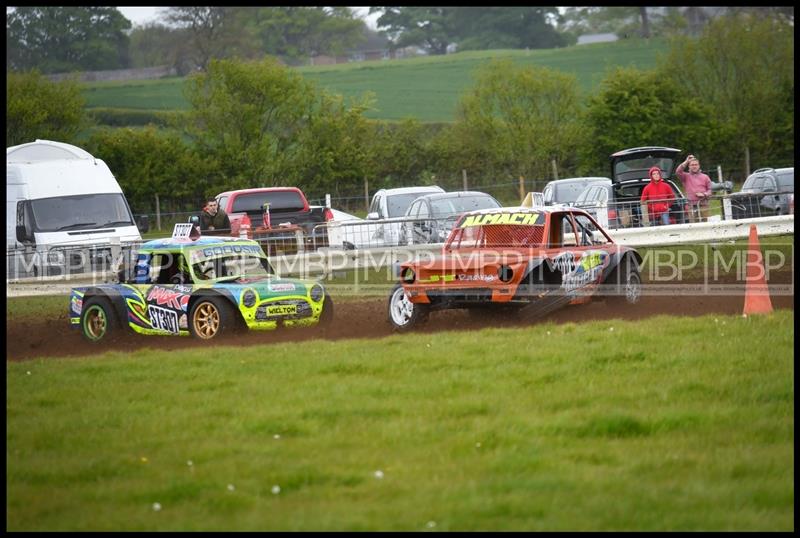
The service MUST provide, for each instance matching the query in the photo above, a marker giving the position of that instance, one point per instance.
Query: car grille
(303, 310)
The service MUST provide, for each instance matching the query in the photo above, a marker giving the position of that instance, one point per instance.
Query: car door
(167, 295)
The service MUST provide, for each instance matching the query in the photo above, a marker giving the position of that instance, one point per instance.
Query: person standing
(658, 196)
(697, 186)
(214, 217)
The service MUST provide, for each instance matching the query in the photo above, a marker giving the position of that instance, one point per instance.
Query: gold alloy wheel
(206, 320)
(95, 323)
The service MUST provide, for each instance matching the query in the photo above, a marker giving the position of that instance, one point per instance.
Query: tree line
(63, 39)
(726, 96)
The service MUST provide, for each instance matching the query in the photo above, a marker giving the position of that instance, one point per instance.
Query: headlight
(505, 273)
(55, 257)
(317, 292)
(249, 298)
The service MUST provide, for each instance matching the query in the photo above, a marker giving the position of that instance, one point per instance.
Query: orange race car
(532, 260)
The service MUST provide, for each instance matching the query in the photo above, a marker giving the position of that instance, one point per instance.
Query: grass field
(663, 424)
(426, 88)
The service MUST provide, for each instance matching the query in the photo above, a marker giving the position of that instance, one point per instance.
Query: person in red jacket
(658, 196)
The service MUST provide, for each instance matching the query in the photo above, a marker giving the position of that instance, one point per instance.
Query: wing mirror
(373, 216)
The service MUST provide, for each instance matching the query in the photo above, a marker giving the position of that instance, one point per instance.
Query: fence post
(328, 200)
(719, 173)
(158, 215)
(464, 177)
(366, 193)
(521, 188)
(555, 169)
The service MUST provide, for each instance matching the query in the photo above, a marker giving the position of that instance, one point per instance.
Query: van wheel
(403, 314)
(98, 319)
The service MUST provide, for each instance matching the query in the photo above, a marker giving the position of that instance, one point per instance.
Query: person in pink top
(697, 186)
(658, 196)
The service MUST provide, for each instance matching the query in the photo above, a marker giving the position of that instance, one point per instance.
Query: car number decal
(163, 319)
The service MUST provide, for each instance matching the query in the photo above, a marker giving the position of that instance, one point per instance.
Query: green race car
(204, 287)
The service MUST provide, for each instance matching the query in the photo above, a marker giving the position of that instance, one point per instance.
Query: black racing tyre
(211, 316)
(326, 317)
(98, 319)
(403, 314)
(626, 282)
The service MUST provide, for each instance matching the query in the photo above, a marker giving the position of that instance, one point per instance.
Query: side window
(588, 233)
(548, 195)
(168, 268)
(569, 235)
(222, 202)
(769, 185)
(424, 211)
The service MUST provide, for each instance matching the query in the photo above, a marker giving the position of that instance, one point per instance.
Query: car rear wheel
(211, 316)
(403, 314)
(98, 319)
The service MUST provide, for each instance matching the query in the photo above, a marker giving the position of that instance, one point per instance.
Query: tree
(300, 32)
(38, 108)
(155, 44)
(147, 162)
(55, 39)
(506, 28)
(427, 27)
(214, 32)
(643, 108)
(516, 120)
(742, 66)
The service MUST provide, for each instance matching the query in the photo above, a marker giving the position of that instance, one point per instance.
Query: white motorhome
(61, 201)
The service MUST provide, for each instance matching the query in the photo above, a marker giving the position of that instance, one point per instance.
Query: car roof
(454, 194)
(168, 243)
(593, 179)
(526, 209)
(411, 190)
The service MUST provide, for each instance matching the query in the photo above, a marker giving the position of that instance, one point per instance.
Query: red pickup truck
(286, 205)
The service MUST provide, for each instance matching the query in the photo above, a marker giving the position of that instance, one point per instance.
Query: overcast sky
(141, 15)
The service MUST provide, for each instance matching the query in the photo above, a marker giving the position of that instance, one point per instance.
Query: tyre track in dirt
(367, 319)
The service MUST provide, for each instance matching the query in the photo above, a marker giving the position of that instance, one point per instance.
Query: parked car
(566, 191)
(435, 214)
(287, 205)
(765, 192)
(528, 260)
(386, 211)
(202, 286)
(629, 176)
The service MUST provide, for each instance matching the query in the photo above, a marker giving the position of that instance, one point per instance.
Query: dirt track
(363, 319)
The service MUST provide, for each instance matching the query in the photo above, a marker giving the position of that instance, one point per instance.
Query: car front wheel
(403, 314)
(630, 285)
(209, 317)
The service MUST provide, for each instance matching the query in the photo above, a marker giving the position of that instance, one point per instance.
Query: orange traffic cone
(756, 295)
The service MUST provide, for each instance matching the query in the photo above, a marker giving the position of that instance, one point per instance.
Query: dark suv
(766, 192)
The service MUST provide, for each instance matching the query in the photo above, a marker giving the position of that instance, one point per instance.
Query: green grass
(426, 88)
(663, 424)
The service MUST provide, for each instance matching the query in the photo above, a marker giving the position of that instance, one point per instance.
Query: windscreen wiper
(77, 225)
(117, 223)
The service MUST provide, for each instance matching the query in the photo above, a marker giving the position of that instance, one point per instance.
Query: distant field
(425, 88)
(662, 424)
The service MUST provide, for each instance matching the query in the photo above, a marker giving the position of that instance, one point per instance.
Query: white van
(62, 205)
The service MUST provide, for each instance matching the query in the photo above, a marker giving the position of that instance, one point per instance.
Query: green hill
(426, 88)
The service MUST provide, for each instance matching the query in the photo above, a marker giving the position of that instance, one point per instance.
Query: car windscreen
(568, 192)
(444, 207)
(397, 204)
(232, 267)
(81, 212)
(278, 201)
